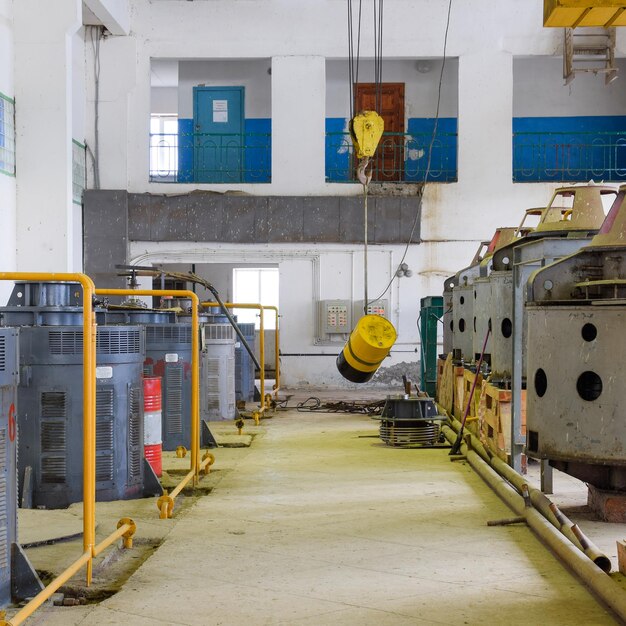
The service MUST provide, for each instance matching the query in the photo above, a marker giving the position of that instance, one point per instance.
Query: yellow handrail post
(262, 356)
(276, 348)
(89, 399)
(195, 360)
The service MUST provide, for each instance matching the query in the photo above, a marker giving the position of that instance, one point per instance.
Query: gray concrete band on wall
(112, 218)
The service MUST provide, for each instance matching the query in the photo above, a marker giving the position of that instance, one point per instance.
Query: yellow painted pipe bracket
(128, 535)
(181, 452)
(165, 504)
(207, 460)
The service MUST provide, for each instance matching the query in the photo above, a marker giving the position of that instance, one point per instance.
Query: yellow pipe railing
(127, 526)
(261, 308)
(196, 466)
(165, 503)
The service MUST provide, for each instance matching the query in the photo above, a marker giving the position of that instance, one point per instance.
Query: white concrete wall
(299, 38)
(249, 73)
(8, 258)
(538, 90)
(420, 90)
(164, 100)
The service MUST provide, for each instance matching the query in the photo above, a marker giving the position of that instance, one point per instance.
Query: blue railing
(401, 158)
(211, 158)
(569, 156)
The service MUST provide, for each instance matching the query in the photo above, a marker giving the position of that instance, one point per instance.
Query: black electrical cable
(430, 153)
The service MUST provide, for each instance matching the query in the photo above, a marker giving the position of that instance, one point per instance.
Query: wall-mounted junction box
(378, 307)
(335, 317)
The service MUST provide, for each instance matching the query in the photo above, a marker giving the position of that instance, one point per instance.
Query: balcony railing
(211, 158)
(569, 156)
(400, 158)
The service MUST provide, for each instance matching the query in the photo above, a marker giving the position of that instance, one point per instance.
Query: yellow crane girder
(584, 13)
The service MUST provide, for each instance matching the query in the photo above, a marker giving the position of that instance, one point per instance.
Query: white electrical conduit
(590, 574)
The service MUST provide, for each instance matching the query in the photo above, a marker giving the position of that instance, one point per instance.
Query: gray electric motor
(217, 391)
(51, 394)
(168, 355)
(17, 577)
(244, 365)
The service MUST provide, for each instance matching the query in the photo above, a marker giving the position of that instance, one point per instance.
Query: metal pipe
(165, 503)
(89, 396)
(46, 593)
(542, 503)
(195, 360)
(233, 323)
(588, 572)
(276, 349)
(125, 530)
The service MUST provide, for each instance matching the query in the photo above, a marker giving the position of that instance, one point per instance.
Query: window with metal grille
(7, 135)
(79, 171)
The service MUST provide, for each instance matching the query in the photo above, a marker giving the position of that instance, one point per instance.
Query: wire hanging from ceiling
(430, 154)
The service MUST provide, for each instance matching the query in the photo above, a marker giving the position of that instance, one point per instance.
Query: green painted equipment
(431, 312)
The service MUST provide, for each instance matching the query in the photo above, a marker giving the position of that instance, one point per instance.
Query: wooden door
(388, 163)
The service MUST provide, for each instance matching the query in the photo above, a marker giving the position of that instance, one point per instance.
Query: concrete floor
(319, 523)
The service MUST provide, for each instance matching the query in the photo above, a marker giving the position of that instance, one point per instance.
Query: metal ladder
(590, 51)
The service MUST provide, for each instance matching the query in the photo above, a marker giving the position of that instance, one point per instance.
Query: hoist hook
(365, 178)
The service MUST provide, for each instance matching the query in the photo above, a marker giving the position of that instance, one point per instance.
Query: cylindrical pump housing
(50, 396)
(217, 391)
(366, 348)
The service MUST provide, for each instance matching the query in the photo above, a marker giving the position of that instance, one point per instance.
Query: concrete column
(298, 109)
(116, 111)
(43, 93)
(485, 130)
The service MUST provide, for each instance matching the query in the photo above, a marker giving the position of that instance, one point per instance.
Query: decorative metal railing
(211, 158)
(569, 156)
(400, 158)
(7, 135)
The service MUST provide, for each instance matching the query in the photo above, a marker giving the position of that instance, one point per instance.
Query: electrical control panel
(378, 307)
(335, 317)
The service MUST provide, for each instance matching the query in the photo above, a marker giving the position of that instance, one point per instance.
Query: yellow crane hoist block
(366, 129)
(366, 348)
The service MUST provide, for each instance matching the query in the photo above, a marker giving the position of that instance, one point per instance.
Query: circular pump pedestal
(366, 348)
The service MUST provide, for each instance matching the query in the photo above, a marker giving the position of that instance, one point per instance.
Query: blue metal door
(218, 114)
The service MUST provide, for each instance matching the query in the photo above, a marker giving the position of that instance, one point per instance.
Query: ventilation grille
(53, 440)
(219, 332)
(148, 370)
(4, 504)
(178, 333)
(65, 341)
(3, 353)
(53, 404)
(104, 403)
(213, 384)
(135, 436)
(118, 341)
(104, 433)
(174, 399)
